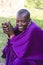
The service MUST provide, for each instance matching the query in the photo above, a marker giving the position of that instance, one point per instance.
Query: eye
(23, 21)
(17, 21)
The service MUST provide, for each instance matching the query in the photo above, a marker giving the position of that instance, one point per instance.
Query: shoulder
(35, 26)
(35, 29)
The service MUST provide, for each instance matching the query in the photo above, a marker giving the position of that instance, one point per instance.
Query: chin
(21, 30)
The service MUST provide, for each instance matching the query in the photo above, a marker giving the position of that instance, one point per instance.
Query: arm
(9, 30)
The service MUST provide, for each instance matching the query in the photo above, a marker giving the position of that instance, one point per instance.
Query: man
(25, 43)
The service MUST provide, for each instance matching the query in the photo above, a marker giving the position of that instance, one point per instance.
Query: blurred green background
(36, 10)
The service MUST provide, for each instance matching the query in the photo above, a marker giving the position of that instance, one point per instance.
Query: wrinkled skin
(7, 28)
(22, 22)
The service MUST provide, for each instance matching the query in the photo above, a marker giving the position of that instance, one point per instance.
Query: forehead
(21, 17)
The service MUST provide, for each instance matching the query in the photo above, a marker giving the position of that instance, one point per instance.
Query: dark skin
(21, 22)
(8, 29)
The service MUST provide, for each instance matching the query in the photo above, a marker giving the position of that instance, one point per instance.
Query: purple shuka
(25, 48)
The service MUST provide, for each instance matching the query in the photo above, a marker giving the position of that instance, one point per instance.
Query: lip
(20, 27)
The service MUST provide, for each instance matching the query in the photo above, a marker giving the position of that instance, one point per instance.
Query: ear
(29, 19)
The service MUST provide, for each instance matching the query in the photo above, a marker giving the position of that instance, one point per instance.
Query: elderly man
(25, 43)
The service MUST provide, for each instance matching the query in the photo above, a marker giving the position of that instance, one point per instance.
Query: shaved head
(23, 13)
(22, 19)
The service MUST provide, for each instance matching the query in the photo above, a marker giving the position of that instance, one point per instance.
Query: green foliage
(36, 10)
(39, 3)
(34, 3)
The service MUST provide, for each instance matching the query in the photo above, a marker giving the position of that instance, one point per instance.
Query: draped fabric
(26, 47)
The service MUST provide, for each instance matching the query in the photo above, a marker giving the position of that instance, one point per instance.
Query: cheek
(24, 24)
(16, 24)
(21, 25)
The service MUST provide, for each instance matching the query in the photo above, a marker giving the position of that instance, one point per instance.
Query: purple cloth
(26, 48)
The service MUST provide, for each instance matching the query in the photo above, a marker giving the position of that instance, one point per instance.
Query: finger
(4, 23)
(9, 23)
(4, 26)
(5, 29)
(6, 32)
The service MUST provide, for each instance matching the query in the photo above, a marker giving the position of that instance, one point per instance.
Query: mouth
(20, 28)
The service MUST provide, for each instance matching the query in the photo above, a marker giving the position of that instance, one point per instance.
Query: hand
(8, 28)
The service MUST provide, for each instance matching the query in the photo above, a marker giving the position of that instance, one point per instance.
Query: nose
(20, 23)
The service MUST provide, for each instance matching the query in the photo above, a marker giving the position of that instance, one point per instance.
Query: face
(21, 23)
